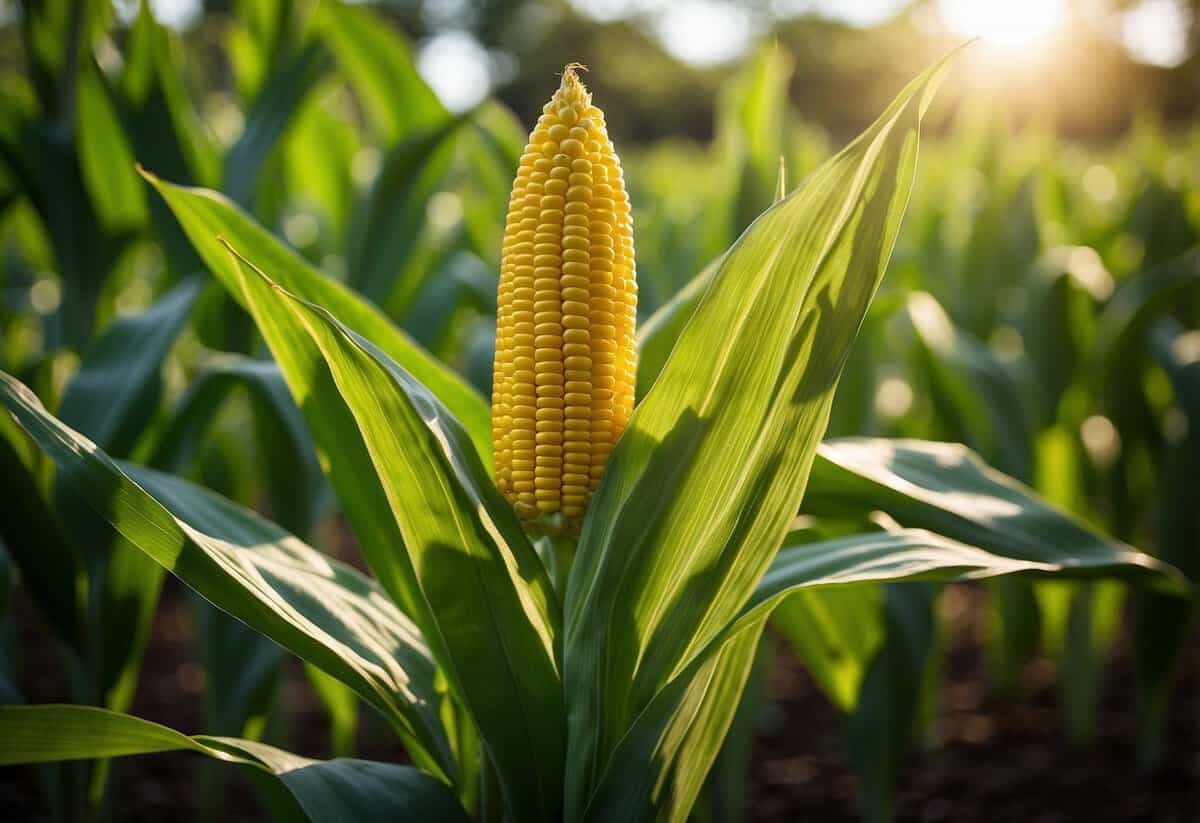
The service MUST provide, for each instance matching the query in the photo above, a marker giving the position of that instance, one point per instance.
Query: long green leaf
(271, 114)
(296, 483)
(321, 610)
(110, 400)
(207, 215)
(116, 391)
(376, 60)
(394, 217)
(490, 599)
(693, 710)
(656, 337)
(945, 488)
(702, 486)
(332, 791)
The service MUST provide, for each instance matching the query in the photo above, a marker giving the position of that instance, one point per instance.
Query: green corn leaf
(690, 714)
(106, 156)
(394, 217)
(268, 118)
(116, 391)
(945, 488)
(319, 609)
(376, 60)
(656, 337)
(334, 431)
(207, 215)
(879, 730)
(975, 398)
(490, 601)
(332, 791)
(701, 488)
(296, 484)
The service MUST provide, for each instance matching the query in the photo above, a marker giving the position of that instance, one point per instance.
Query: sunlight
(1010, 24)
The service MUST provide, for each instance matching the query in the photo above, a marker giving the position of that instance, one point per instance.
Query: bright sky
(456, 66)
(1008, 24)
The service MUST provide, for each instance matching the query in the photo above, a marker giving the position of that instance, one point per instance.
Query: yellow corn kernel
(565, 358)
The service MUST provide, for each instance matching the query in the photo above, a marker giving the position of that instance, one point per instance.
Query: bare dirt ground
(990, 759)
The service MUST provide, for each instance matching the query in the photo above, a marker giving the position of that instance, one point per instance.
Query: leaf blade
(729, 431)
(317, 608)
(333, 791)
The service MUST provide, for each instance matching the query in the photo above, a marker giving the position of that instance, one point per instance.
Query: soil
(988, 759)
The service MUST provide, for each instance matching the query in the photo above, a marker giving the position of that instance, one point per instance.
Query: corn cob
(565, 357)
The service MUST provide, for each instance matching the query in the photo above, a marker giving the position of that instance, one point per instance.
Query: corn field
(527, 453)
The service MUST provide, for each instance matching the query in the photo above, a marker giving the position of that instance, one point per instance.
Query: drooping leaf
(206, 215)
(943, 487)
(695, 707)
(332, 791)
(319, 609)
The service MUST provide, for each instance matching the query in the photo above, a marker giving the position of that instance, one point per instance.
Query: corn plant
(576, 654)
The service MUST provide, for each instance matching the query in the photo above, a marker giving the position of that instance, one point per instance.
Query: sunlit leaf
(321, 610)
(703, 484)
(489, 599)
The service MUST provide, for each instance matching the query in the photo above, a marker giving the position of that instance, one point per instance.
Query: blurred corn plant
(1037, 310)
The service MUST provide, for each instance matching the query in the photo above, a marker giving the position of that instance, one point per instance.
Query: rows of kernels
(569, 238)
(576, 346)
(548, 320)
(604, 237)
(626, 310)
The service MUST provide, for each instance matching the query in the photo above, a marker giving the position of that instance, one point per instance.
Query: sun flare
(1009, 24)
